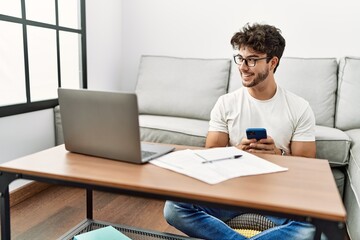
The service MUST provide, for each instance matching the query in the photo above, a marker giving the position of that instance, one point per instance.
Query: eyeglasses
(250, 62)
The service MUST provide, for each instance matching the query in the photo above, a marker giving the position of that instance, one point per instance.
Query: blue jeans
(208, 223)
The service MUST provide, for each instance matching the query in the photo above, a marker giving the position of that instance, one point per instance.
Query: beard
(258, 79)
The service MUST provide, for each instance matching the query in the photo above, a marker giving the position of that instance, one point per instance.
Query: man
(288, 119)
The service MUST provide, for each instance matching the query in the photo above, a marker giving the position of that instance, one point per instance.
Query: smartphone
(257, 133)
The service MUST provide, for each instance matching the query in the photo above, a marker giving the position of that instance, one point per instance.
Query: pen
(221, 159)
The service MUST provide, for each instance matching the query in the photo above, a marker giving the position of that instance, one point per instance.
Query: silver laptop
(105, 124)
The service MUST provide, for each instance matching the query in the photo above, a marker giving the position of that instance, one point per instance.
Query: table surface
(306, 189)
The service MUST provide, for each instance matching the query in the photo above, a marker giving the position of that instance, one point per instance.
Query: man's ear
(273, 62)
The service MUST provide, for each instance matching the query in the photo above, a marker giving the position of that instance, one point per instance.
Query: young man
(288, 119)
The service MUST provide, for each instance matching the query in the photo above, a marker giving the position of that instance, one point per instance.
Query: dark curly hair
(262, 38)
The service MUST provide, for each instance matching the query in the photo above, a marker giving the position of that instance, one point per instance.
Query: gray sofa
(176, 96)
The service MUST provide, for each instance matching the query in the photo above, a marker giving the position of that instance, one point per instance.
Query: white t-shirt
(286, 117)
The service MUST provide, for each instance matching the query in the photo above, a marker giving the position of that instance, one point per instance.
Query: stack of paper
(215, 165)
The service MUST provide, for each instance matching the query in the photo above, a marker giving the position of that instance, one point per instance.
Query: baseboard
(28, 190)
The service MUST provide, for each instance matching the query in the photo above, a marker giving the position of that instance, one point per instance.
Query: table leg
(5, 180)
(89, 203)
(5, 214)
(332, 230)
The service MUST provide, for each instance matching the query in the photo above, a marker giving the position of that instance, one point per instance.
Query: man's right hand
(262, 146)
(245, 144)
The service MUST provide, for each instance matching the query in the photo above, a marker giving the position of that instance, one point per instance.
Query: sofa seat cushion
(174, 130)
(339, 178)
(181, 87)
(332, 144)
(352, 193)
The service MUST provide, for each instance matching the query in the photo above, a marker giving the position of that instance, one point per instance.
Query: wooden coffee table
(306, 192)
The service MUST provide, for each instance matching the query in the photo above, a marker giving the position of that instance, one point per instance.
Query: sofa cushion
(235, 81)
(181, 87)
(332, 144)
(348, 97)
(352, 193)
(314, 79)
(339, 178)
(174, 130)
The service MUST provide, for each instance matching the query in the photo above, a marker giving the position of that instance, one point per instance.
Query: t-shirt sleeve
(218, 117)
(305, 128)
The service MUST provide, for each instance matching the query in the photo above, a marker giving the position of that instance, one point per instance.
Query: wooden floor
(53, 212)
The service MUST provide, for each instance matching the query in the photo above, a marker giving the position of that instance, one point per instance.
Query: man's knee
(169, 212)
(176, 212)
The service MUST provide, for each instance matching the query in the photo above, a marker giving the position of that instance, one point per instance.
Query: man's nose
(243, 66)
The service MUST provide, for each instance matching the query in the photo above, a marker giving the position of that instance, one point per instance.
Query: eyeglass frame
(247, 59)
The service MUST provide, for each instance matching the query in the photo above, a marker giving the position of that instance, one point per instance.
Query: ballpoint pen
(220, 159)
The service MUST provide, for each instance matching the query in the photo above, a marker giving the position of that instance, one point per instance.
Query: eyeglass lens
(250, 62)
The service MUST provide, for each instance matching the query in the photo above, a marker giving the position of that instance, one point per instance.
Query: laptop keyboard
(145, 154)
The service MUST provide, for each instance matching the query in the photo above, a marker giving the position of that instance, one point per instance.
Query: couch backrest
(348, 95)
(235, 78)
(182, 87)
(314, 79)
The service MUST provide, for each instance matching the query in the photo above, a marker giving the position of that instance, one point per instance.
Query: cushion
(235, 81)
(314, 79)
(165, 136)
(173, 130)
(251, 221)
(250, 224)
(248, 233)
(339, 178)
(181, 87)
(332, 144)
(348, 98)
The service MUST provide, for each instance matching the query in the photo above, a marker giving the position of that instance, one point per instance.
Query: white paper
(190, 163)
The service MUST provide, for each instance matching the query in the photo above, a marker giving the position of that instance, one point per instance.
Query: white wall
(103, 20)
(203, 28)
(24, 134)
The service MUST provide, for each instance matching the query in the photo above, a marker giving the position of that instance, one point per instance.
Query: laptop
(105, 124)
